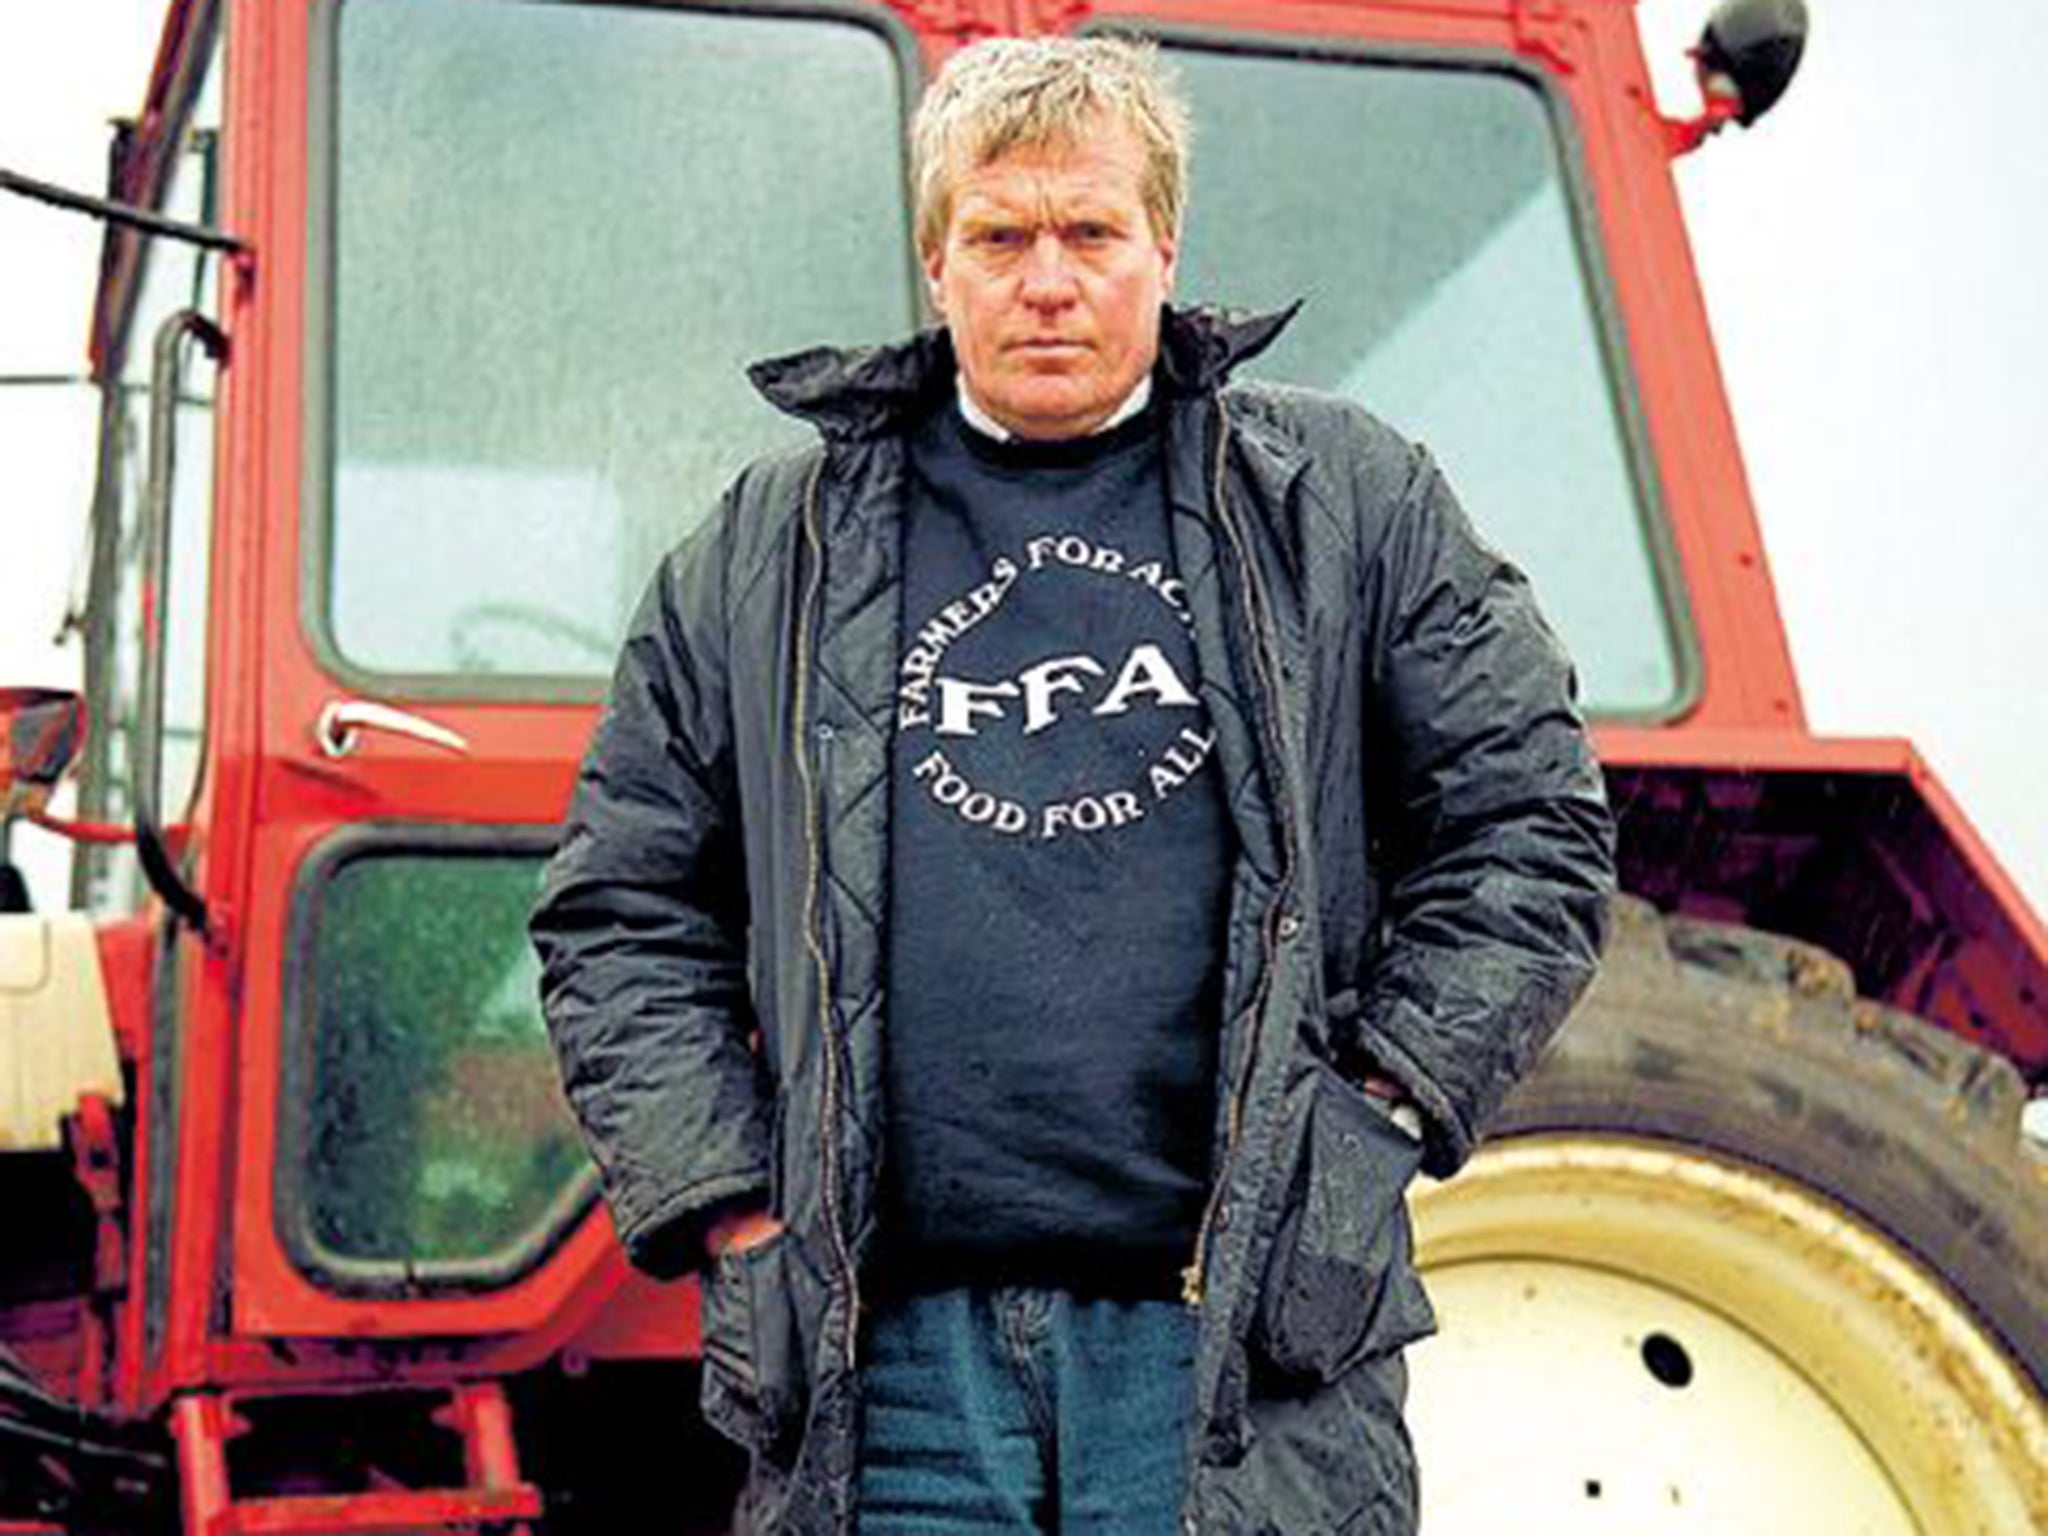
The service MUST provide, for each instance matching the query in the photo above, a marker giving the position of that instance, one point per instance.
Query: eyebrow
(994, 212)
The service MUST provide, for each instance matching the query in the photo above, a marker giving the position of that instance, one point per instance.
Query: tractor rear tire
(1838, 1192)
(1757, 1047)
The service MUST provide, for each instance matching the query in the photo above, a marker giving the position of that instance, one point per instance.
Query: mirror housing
(1751, 49)
(41, 731)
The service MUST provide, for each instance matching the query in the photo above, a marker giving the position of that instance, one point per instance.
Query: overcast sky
(1872, 256)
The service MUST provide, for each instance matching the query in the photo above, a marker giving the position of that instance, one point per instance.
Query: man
(1059, 854)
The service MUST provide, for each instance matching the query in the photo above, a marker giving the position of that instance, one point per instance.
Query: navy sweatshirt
(1059, 860)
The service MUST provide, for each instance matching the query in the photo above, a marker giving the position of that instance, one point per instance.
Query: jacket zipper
(1194, 1277)
(813, 883)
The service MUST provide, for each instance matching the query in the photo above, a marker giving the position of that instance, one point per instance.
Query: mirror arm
(146, 745)
(122, 213)
(105, 834)
(1722, 106)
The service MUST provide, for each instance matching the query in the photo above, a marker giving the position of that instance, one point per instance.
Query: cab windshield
(559, 233)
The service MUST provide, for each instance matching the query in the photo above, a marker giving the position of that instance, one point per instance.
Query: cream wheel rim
(1644, 1338)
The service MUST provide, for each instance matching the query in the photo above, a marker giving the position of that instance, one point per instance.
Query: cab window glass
(559, 233)
(1424, 215)
(426, 1132)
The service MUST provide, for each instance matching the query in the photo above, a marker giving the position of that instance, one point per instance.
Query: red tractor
(419, 337)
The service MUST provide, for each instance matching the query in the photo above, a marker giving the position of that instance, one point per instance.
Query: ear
(934, 261)
(1169, 257)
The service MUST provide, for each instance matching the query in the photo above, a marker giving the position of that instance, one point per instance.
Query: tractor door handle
(343, 721)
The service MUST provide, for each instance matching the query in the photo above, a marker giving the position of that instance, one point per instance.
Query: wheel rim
(1641, 1337)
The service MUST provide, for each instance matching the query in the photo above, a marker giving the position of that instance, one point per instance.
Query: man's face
(1050, 277)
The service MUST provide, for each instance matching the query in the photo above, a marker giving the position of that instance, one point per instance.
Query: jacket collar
(865, 391)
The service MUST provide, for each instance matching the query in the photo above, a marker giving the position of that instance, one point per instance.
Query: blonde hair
(1006, 93)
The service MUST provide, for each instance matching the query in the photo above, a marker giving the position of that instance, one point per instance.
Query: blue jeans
(1024, 1411)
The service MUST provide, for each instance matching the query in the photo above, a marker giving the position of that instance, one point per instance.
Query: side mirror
(41, 730)
(1752, 49)
(1746, 56)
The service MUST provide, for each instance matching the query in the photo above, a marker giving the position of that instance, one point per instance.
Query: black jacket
(1425, 860)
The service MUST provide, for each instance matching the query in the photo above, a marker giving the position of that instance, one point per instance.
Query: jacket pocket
(753, 1360)
(1340, 1282)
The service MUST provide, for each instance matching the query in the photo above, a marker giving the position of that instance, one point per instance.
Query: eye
(1000, 237)
(1090, 232)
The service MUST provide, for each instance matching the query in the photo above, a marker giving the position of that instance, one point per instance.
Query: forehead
(1104, 165)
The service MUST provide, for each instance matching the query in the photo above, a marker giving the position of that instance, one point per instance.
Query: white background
(1873, 256)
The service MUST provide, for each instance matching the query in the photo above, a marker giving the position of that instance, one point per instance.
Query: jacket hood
(860, 391)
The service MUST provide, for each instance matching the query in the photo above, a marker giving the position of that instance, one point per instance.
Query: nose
(1048, 274)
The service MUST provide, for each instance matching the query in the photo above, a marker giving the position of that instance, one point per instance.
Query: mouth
(1049, 354)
